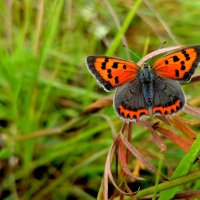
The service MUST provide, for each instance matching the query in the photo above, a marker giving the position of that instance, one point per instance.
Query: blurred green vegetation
(48, 150)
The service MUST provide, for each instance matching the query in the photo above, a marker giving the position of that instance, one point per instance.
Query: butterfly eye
(146, 65)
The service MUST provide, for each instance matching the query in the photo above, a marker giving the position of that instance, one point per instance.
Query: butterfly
(144, 90)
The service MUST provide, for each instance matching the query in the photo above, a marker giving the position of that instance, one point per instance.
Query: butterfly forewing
(179, 65)
(111, 72)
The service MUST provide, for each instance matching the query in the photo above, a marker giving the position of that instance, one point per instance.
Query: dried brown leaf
(188, 195)
(108, 173)
(123, 162)
(195, 78)
(158, 140)
(192, 110)
(164, 119)
(195, 101)
(186, 130)
(137, 154)
(97, 105)
(190, 122)
(175, 138)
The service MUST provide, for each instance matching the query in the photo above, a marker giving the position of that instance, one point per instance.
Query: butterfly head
(146, 65)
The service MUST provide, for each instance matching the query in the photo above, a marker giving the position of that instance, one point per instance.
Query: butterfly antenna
(131, 52)
(163, 44)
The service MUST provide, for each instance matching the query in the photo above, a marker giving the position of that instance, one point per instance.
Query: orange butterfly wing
(179, 65)
(111, 72)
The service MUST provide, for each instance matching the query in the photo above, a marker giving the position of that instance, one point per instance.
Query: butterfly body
(146, 90)
(146, 76)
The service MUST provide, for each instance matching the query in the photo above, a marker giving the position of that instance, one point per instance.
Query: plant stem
(169, 184)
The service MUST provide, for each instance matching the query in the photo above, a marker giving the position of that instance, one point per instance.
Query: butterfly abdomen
(147, 90)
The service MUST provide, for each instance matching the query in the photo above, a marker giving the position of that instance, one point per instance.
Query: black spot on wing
(103, 65)
(166, 62)
(183, 51)
(177, 73)
(176, 58)
(115, 65)
(183, 67)
(187, 56)
(109, 73)
(116, 79)
(109, 76)
(106, 59)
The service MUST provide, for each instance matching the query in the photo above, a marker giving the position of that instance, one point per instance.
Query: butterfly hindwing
(168, 97)
(129, 102)
(111, 72)
(179, 65)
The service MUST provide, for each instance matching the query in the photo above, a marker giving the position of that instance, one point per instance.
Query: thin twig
(118, 24)
(164, 24)
(155, 53)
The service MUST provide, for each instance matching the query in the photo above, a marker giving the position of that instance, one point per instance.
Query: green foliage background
(48, 150)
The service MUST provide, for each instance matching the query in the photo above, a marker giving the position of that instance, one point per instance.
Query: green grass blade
(182, 169)
(123, 29)
(157, 178)
(169, 184)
